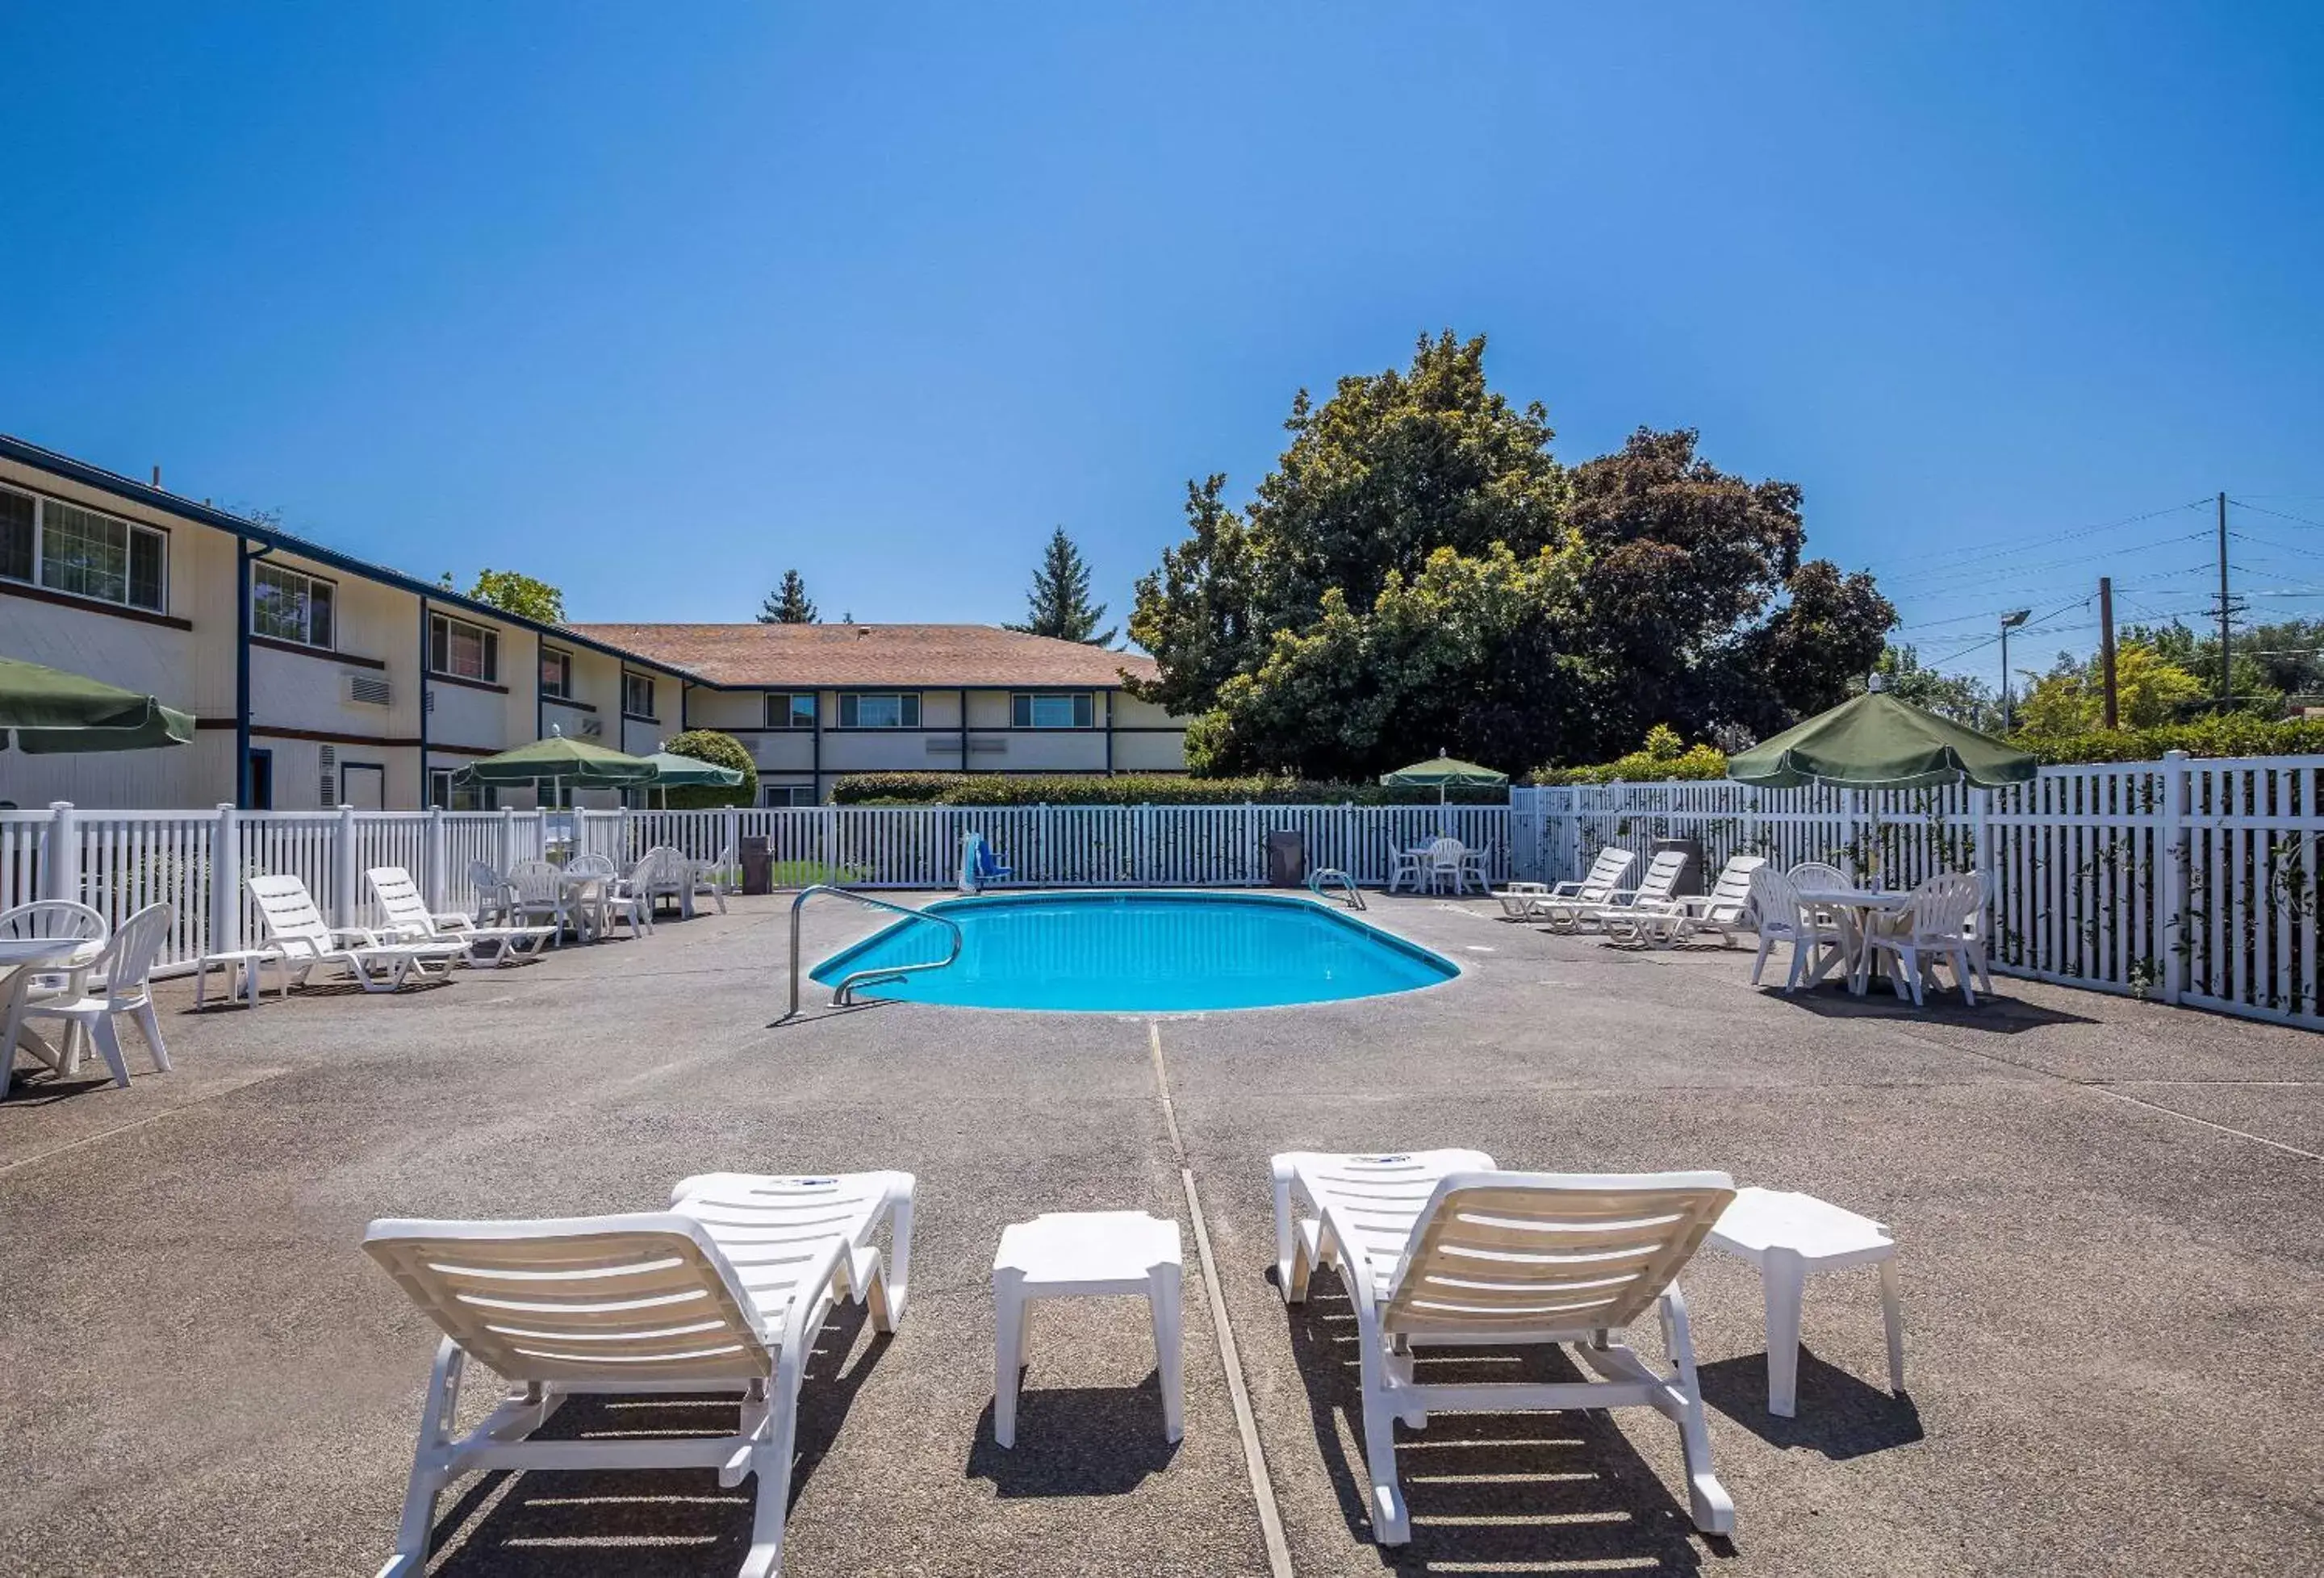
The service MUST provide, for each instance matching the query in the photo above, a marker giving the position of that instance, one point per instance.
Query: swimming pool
(1144, 951)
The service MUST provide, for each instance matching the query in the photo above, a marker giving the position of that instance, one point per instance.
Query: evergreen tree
(789, 603)
(1058, 605)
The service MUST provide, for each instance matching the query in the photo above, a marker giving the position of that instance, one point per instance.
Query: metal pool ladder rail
(1332, 876)
(841, 993)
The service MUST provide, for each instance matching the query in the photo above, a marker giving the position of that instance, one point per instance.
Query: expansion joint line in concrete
(1262, 1483)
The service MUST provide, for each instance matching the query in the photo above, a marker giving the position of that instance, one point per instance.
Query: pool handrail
(1322, 876)
(840, 994)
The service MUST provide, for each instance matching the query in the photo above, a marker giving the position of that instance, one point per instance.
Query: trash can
(1689, 876)
(758, 866)
(1286, 858)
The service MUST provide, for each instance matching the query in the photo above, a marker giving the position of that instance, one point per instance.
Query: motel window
(790, 709)
(443, 790)
(637, 695)
(67, 549)
(892, 710)
(556, 674)
(287, 606)
(784, 794)
(462, 650)
(1041, 710)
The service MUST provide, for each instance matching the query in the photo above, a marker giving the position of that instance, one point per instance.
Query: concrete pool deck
(2113, 1275)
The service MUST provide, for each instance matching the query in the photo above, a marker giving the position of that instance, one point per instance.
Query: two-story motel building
(321, 679)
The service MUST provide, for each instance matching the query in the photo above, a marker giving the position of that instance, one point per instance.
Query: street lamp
(2008, 623)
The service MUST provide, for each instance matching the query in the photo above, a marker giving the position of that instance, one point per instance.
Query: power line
(2067, 535)
(2279, 514)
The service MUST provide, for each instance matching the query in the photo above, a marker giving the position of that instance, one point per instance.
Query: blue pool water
(1141, 952)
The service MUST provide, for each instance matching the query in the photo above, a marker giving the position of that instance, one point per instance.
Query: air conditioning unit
(944, 745)
(987, 744)
(591, 728)
(329, 763)
(366, 691)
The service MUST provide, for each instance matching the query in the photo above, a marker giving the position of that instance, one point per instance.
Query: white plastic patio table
(22, 959)
(586, 906)
(1855, 906)
(1086, 1254)
(1789, 1236)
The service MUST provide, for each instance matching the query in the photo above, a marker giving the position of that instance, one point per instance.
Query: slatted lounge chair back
(1536, 1253)
(400, 901)
(126, 965)
(290, 911)
(46, 919)
(1606, 873)
(633, 1297)
(1662, 876)
(1732, 892)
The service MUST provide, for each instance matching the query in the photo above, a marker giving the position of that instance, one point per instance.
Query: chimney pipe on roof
(157, 474)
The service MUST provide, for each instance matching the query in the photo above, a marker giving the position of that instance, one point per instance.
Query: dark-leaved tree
(789, 603)
(1058, 604)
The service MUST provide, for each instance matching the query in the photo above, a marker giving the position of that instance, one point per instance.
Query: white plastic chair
(296, 927)
(495, 903)
(117, 982)
(1724, 910)
(1522, 900)
(625, 898)
(51, 920)
(1653, 891)
(1446, 860)
(724, 1292)
(409, 919)
(1440, 1249)
(536, 894)
(1782, 918)
(1935, 927)
(1402, 866)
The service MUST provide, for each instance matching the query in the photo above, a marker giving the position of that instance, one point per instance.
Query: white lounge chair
(1781, 917)
(117, 982)
(725, 1291)
(296, 927)
(1936, 926)
(1522, 900)
(409, 919)
(1440, 1249)
(1726, 909)
(1654, 889)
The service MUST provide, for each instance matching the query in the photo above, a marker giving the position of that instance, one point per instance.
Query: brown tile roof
(932, 655)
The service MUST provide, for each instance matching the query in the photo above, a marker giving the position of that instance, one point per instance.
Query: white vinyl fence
(2193, 881)
(119, 861)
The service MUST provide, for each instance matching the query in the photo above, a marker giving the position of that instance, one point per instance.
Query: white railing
(122, 860)
(2193, 881)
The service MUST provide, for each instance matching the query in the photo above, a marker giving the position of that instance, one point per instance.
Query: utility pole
(2106, 645)
(2226, 660)
(2008, 623)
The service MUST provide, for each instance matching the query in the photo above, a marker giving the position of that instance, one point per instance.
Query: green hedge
(2233, 734)
(1125, 789)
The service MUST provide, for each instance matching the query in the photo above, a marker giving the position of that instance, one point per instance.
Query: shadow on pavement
(643, 1522)
(1076, 1441)
(1838, 1415)
(2000, 1015)
(1518, 1493)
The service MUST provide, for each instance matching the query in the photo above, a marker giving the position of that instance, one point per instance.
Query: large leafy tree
(521, 595)
(1367, 600)
(1058, 605)
(1963, 698)
(789, 603)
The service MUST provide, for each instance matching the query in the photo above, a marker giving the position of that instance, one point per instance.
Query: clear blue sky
(655, 301)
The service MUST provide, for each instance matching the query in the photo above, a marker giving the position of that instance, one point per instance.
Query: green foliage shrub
(1125, 789)
(724, 750)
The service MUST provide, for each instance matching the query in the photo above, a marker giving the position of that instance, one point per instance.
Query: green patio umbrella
(1441, 773)
(689, 773)
(574, 764)
(1874, 741)
(46, 711)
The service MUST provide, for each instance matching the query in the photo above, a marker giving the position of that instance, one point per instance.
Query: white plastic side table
(1086, 1254)
(1788, 1236)
(243, 978)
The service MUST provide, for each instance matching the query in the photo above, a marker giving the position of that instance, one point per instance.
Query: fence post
(2170, 892)
(507, 839)
(730, 838)
(1981, 834)
(226, 881)
(343, 869)
(432, 858)
(830, 845)
(61, 860)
